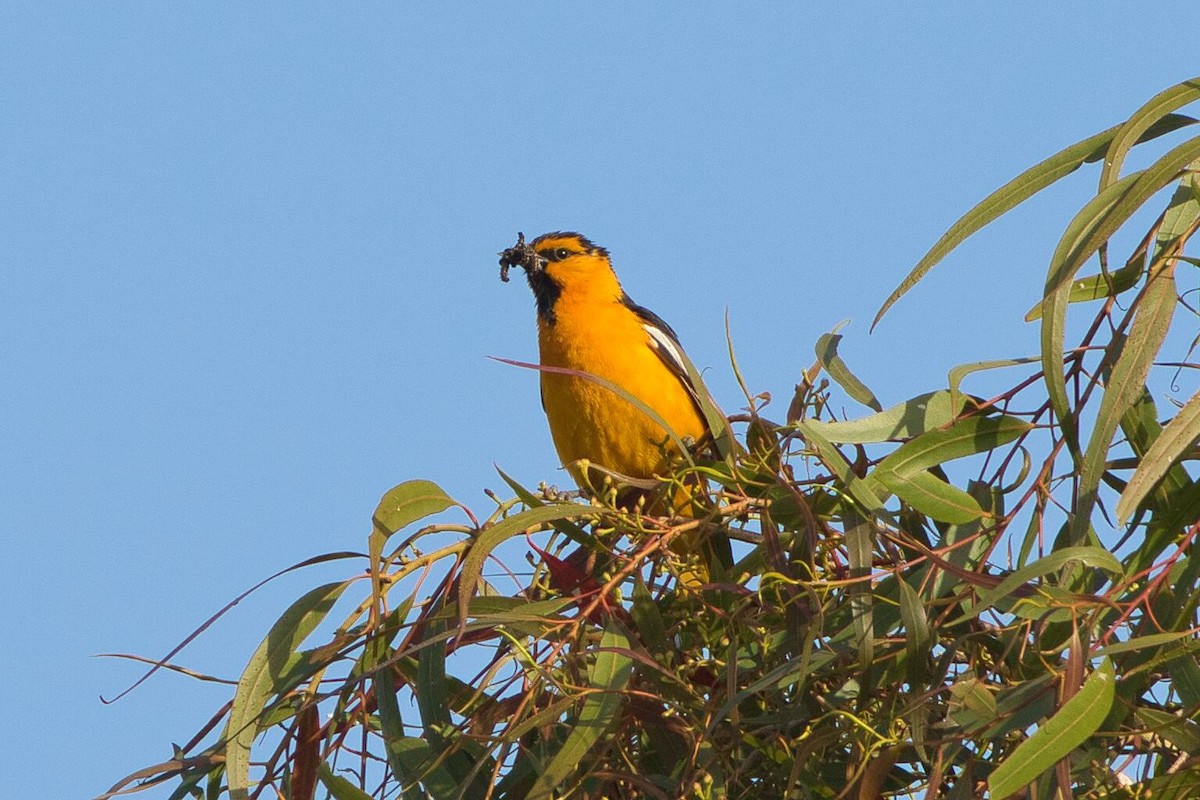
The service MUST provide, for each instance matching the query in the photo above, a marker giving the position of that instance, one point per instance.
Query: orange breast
(590, 421)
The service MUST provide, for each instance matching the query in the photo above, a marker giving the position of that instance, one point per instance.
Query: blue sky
(250, 280)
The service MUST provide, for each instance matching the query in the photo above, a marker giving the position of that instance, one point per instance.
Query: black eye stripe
(556, 253)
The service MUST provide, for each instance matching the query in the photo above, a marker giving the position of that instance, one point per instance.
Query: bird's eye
(560, 253)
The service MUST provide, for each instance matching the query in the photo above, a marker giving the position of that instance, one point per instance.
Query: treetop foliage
(957, 596)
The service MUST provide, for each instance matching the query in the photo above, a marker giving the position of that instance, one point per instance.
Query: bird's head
(561, 262)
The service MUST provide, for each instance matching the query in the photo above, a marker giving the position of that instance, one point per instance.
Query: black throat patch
(545, 291)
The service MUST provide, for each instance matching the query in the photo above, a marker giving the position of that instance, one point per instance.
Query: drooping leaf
(1017, 191)
(1147, 183)
(827, 354)
(399, 507)
(916, 631)
(1152, 113)
(860, 491)
(860, 544)
(340, 788)
(1088, 556)
(1125, 385)
(405, 504)
(956, 375)
(1054, 303)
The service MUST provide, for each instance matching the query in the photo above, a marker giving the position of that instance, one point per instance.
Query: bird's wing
(665, 343)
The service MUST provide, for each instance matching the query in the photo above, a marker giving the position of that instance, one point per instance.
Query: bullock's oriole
(589, 325)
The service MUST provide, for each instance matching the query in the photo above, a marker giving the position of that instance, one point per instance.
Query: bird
(593, 337)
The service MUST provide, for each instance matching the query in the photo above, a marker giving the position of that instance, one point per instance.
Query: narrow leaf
(916, 631)
(1070, 727)
(608, 677)
(405, 504)
(491, 538)
(340, 788)
(860, 544)
(1162, 172)
(1178, 437)
(273, 659)
(1088, 556)
(431, 690)
(1054, 303)
(966, 437)
(1096, 287)
(956, 375)
(827, 354)
(902, 421)
(1126, 383)
(858, 489)
(932, 496)
(400, 507)
(1183, 734)
(1151, 113)
(391, 724)
(1017, 191)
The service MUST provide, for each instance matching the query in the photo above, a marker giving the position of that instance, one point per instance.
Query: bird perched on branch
(617, 389)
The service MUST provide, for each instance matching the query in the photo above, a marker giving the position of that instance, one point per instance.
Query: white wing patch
(666, 346)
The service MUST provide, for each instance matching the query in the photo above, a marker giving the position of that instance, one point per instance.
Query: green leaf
(932, 496)
(391, 724)
(858, 489)
(1185, 676)
(1088, 556)
(1017, 191)
(1070, 727)
(648, 617)
(1054, 303)
(966, 437)
(860, 544)
(965, 545)
(1178, 437)
(274, 658)
(433, 700)
(902, 421)
(1125, 386)
(1184, 785)
(972, 705)
(403, 505)
(400, 507)
(1142, 642)
(1152, 112)
(490, 610)
(419, 758)
(956, 375)
(569, 529)
(1096, 287)
(1148, 182)
(827, 354)
(338, 787)
(491, 538)
(608, 677)
(1183, 734)
(916, 632)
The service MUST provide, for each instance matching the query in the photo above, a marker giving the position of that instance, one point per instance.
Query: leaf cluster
(956, 596)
